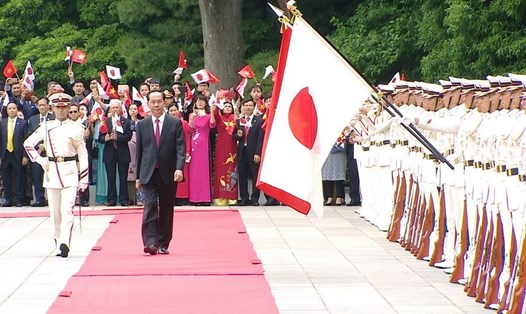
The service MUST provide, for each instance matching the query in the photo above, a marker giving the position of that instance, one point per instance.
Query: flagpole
(410, 128)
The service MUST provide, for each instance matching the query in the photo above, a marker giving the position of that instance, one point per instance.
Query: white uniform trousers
(61, 203)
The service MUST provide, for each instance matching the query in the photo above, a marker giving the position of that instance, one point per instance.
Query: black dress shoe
(163, 251)
(112, 204)
(125, 204)
(84, 204)
(151, 249)
(254, 203)
(39, 204)
(19, 204)
(243, 203)
(8, 204)
(354, 204)
(64, 250)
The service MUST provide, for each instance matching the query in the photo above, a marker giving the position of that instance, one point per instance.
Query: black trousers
(247, 168)
(37, 176)
(333, 189)
(111, 171)
(12, 178)
(158, 214)
(354, 181)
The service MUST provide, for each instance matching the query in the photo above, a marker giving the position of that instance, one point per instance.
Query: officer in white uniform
(65, 167)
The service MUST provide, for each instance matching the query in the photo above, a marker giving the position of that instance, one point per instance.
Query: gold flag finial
(291, 6)
(285, 23)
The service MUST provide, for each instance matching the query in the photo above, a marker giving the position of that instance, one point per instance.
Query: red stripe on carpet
(98, 212)
(167, 294)
(203, 243)
(212, 267)
(86, 212)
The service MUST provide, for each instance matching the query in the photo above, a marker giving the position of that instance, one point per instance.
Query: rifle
(394, 230)
(395, 199)
(413, 195)
(407, 201)
(496, 266)
(460, 258)
(411, 221)
(471, 286)
(517, 297)
(417, 226)
(438, 250)
(485, 263)
(427, 229)
(508, 285)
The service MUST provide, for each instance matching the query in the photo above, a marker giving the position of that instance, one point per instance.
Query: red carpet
(212, 268)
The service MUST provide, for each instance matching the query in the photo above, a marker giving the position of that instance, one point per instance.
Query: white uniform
(64, 142)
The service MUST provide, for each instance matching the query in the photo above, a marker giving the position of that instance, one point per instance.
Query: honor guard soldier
(65, 167)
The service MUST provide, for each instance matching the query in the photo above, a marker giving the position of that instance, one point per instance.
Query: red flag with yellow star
(78, 56)
(246, 72)
(9, 69)
(111, 91)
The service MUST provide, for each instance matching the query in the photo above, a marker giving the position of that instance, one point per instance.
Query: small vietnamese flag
(182, 61)
(188, 94)
(9, 69)
(246, 72)
(78, 56)
(111, 91)
(104, 81)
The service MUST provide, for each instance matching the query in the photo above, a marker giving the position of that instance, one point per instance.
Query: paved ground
(335, 264)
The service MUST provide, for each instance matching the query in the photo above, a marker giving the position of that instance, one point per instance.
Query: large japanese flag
(306, 117)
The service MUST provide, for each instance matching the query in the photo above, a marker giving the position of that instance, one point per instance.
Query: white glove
(83, 186)
(405, 121)
(43, 161)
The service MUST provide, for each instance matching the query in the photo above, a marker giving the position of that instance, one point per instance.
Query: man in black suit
(116, 154)
(12, 136)
(160, 155)
(249, 136)
(354, 177)
(37, 173)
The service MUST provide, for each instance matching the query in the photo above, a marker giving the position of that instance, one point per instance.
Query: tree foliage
(434, 39)
(426, 39)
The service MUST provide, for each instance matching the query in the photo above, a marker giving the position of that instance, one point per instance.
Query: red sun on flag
(303, 118)
(199, 77)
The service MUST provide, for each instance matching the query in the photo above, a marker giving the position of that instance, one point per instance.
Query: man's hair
(45, 98)
(154, 91)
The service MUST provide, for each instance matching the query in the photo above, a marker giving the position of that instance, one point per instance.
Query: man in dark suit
(249, 136)
(37, 173)
(12, 136)
(116, 154)
(354, 177)
(160, 155)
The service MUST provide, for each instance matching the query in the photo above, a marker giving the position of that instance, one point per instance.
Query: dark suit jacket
(254, 140)
(122, 151)
(169, 155)
(29, 108)
(34, 122)
(19, 136)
